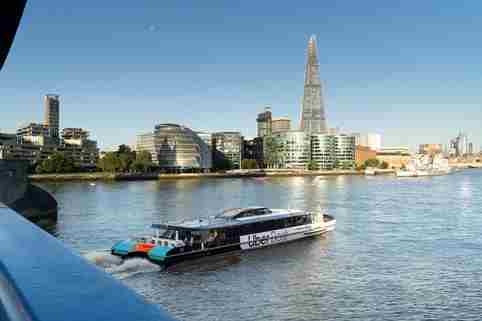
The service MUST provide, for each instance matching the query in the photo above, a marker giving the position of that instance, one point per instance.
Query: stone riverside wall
(13, 181)
(17, 193)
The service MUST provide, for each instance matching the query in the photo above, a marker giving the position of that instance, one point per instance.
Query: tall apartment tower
(52, 115)
(313, 109)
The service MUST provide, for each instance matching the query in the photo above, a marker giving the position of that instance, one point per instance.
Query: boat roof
(231, 217)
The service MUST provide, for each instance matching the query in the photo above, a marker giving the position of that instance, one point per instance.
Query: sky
(409, 70)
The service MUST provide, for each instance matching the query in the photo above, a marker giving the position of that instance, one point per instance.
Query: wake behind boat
(232, 230)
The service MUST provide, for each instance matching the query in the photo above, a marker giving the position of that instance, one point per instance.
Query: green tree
(361, 167)
(56, 163)
(313, 166)
(253, 164)
(244, 163)
(345, 165)
(124, 149)
(125, 160)
(372, 162)
(384, 165)
(272, 151)
(222, 164)
(249, 164)
(110, 163)
(143, 163)
(144, 156)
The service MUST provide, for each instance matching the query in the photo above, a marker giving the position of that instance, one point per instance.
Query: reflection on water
(404, 249)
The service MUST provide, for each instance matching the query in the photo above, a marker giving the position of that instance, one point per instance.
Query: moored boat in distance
(232, 230)
(425, 165)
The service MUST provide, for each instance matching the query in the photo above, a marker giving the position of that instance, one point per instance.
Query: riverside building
(229, 146)
(372, 141)
(296, 149)
(313, 143)
(280, 125)
(323, 151)
(264, 123)
(76, 143)
(430, 149)
(345, 151)
(176, 148)
(52, 115)
(36, 142)
(293, 150)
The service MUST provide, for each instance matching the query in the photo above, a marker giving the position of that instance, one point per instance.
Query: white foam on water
(102, 259)
(132, 267)
(117, 266)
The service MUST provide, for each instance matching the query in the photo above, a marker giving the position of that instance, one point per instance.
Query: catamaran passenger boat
(232, 230)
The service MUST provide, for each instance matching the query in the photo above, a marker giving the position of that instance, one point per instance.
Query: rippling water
(404, 249)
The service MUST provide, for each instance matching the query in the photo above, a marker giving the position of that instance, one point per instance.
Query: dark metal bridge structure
(40, 278)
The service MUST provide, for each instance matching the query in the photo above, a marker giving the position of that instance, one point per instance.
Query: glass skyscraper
(313, 109)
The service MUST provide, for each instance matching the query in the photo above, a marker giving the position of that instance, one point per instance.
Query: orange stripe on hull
(144, 247)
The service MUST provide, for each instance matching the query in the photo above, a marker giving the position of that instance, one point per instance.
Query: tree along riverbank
(100, 176)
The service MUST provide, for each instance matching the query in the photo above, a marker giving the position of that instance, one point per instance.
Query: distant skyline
(409, 71)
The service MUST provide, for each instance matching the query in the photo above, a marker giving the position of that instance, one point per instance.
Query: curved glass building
(295, 149)
(323, 150)
(176, 147)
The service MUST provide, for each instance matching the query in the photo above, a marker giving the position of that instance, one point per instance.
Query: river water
(403, 249)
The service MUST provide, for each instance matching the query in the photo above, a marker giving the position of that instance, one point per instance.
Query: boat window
(169, 234)
(185, 235)
(229, 213)
(262, 211)
(297, 220)
(247, 213)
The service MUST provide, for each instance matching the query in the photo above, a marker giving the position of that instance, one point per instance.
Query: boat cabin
(226, 228)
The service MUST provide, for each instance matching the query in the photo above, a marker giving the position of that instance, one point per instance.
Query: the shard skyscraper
(313, 109)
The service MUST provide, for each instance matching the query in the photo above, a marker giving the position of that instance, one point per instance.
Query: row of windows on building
(179, 148)
(35, 143)
(298, 149)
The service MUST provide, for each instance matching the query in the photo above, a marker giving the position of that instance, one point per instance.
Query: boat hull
(247, 242)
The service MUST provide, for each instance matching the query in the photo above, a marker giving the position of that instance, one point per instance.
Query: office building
(249, 149)
(229, 146)
(76, 144)
(372, 141)
(280, 125)
(206, 137)
(291, 150)
(176, 148)
(36, 142)
(323, 151)
(430, 149)
(345, 151)
(74, 133)
(8, 139)
(52, 115)
(363, 153)
(459, 146)
(313, 109)
(32, 129)
(264, 122)
(148, 143)
(395, 157)
(296, 149)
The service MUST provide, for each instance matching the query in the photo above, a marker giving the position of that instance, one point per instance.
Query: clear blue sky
(410, 70)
